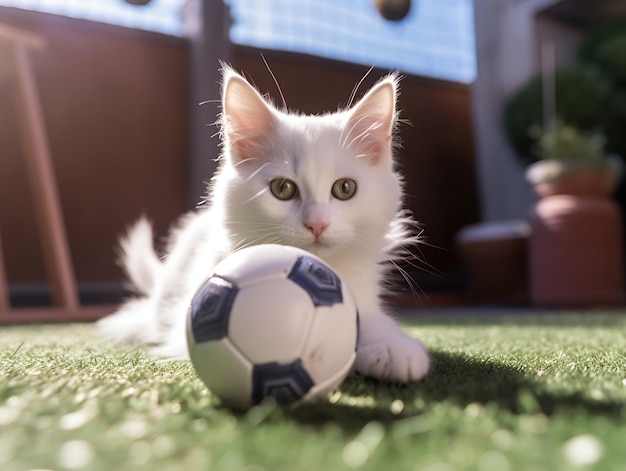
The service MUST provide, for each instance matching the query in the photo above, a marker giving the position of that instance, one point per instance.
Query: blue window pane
(435, 39)
(159, 15)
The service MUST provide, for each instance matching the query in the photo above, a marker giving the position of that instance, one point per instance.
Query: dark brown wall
(436, 158)
(115, 105)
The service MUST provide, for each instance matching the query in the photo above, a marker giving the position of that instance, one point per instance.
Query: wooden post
(43, 184)
(38, 161)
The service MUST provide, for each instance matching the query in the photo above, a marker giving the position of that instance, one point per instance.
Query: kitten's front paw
(398, 358)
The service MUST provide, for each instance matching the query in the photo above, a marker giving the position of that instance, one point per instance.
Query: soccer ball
(275, 321)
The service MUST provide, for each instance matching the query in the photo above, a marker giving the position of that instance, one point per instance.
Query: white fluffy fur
(262, 143)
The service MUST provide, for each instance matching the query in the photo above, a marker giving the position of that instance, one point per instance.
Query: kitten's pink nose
(316, 228)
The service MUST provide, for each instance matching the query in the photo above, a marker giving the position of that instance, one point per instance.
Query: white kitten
(325, 184)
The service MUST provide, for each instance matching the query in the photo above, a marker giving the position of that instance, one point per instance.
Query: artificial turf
(507, 391)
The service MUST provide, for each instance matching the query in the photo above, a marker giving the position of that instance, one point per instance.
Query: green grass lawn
(507, 391)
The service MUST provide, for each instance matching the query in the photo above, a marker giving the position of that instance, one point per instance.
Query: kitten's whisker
(342, 139)
(356, 88)
(350, 102)
(241, 162)
(255, 196)
(375, 125)
(411, 283)
(256, 172)
(282, 97)
(404, 255)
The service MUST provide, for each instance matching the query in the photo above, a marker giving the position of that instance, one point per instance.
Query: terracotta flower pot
(576, 246)
(557, 178)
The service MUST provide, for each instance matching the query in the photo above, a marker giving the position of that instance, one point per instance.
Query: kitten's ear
(372, 121)
(247, 119)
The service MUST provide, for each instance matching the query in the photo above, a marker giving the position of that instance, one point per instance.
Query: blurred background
(120, 85)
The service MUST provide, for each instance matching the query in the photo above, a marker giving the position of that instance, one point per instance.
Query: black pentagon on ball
(286, 383)
(210, 309)
(322, 284)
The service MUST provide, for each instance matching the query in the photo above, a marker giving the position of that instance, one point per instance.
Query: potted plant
(575, 248)
(573, 162)
(576, 244)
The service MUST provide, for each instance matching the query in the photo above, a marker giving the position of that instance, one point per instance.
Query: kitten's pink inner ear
(247, 119)
(370, 127)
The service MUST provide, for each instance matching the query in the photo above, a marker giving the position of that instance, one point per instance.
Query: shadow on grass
(458, 381)
(463, 380)
(518, 317)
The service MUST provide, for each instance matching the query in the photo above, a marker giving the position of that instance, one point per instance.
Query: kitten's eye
(344, 188)
(283, 189)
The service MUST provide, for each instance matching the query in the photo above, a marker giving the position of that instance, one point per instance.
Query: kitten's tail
(138, 258)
